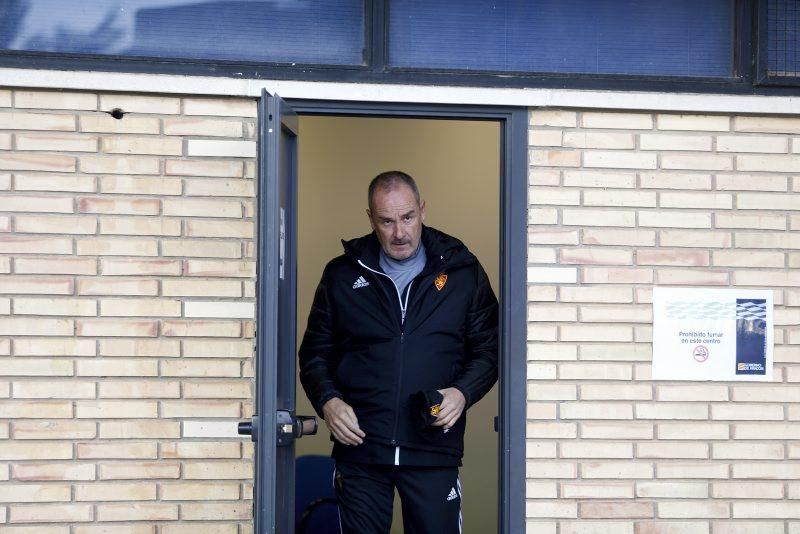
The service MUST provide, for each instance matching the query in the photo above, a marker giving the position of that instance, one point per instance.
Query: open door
(274, 425)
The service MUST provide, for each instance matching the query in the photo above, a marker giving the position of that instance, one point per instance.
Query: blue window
(640, 37)
(264, 31)
(783, 38)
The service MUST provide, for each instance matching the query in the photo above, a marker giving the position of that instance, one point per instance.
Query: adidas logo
(360, 282)
(453, 495)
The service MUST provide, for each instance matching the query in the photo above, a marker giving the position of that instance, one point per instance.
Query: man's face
(397, 220)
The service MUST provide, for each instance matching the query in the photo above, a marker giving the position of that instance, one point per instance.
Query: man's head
(396, 213)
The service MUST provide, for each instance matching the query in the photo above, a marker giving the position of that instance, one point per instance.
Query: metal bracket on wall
(249, 428)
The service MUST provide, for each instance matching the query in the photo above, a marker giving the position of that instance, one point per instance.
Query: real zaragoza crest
(440, 281)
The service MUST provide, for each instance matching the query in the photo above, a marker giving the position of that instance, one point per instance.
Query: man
(401, 340)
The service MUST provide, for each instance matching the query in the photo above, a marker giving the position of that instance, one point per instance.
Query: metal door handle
(307, 424)
(291, 427)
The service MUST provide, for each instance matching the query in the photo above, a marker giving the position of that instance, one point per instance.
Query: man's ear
(422, 210)
(369, 216)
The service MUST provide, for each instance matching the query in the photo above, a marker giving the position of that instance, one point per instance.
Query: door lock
(291, 427)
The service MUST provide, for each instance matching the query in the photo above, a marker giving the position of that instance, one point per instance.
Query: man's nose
(399, 231)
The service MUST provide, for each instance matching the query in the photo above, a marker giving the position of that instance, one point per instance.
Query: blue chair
(315, 510)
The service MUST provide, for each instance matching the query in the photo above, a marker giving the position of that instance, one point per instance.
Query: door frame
(513, 275)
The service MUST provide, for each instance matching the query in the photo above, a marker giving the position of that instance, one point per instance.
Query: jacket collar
(443, 251)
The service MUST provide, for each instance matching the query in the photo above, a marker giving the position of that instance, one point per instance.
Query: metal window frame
(375, 70)
(741, 10)
(513, 281)
(164, 65)
(763, 77)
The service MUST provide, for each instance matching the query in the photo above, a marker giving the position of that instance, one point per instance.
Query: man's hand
(342, 422)
(452, 408)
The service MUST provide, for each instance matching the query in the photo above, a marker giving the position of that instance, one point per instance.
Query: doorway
(457, 166)
(275, 425)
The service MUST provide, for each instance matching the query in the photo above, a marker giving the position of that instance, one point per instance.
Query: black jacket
(358, 348)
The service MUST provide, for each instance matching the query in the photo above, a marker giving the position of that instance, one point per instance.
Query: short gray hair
(390, 180)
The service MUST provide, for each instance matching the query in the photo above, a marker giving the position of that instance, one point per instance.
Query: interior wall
(457, 167)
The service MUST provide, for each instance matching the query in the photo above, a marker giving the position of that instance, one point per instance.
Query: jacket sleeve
(318, 350)
(480, 371)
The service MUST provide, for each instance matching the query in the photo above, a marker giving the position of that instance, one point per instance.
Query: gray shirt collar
(402, 272)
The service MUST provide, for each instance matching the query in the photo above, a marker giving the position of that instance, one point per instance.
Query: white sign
(712, 334)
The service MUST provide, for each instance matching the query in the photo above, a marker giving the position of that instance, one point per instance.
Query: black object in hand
(426, 404)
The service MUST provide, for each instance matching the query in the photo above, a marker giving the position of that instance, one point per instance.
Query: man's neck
(405, 262)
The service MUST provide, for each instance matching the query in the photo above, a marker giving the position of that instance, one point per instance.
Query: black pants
(431, 498)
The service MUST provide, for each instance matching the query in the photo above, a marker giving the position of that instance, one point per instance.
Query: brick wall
(126, 307)
(621, 202)
(126, 332)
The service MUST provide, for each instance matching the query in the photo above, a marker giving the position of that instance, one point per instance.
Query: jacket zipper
(403, 309)
(403, 305)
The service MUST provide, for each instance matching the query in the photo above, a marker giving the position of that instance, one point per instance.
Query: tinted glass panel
(783, 38)
(656, 37)
(298, 31)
